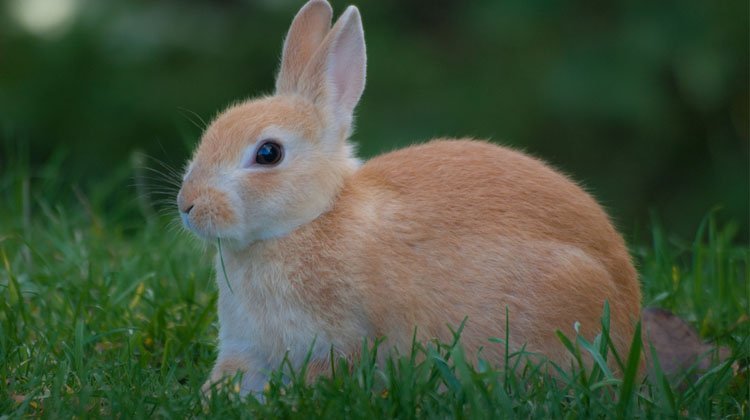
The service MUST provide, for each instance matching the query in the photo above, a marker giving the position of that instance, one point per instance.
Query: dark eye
(269, 153)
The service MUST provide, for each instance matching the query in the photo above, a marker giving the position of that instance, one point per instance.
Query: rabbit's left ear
(308, 29)
(335, 76)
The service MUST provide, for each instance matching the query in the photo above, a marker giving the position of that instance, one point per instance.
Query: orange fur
(322, 249)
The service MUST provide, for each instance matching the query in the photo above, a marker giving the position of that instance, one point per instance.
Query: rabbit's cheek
(259, 196)
(262, 186)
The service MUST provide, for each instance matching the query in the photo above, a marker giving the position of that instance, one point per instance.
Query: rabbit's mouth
(202, 225)
(205, 211)
(186, 222)
(203, 233)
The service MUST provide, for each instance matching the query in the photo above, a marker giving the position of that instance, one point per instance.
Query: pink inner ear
(348, 72)
(346, 64)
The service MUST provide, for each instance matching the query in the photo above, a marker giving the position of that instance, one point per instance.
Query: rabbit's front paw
(238, 375)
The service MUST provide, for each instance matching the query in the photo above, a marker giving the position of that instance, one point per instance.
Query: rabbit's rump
(426, 236)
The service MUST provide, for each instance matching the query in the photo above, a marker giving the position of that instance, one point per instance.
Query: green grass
(107, 312)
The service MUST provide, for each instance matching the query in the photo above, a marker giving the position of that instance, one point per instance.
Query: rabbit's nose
(185, 206)
(185, 202)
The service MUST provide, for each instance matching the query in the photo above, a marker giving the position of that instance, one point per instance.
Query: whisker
(168, 170)
(163, 179)
(202, 126)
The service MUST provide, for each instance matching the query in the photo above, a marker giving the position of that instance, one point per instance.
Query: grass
(107, 312)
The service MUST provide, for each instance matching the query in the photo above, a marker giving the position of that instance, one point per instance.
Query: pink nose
(184, 204)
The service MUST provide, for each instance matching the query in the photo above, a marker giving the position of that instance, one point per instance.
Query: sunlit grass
(103, 312)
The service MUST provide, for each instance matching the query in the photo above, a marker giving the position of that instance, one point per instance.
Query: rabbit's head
(269, 165)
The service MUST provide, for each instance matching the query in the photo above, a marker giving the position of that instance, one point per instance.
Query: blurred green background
(644, 102)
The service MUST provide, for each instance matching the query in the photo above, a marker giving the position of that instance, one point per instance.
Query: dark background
(644, 102)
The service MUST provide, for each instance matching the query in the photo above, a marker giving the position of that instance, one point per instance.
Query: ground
(105, 313)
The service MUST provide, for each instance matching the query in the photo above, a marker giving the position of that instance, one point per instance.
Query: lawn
(108, 309)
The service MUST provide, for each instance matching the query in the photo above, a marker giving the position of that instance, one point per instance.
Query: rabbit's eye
(269, 153)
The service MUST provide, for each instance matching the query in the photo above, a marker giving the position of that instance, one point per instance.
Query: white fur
(262, 320)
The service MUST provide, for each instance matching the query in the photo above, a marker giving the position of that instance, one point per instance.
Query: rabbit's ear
(335, 76)
(307, 32)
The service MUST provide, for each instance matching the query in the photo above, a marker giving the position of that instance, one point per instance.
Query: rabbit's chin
(238, 238)
(212, 234)
(227, 240)
(206, 235)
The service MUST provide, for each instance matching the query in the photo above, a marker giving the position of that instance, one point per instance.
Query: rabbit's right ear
(307, 32)
(335, 76)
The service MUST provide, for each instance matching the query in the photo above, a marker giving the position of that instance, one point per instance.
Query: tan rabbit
(319, 247)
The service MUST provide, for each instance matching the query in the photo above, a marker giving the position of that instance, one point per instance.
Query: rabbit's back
(458, 228)
(476, 187)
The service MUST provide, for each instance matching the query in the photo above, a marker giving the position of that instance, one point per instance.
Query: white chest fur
(262, 318)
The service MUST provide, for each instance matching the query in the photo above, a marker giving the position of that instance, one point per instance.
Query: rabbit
(320, 250)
